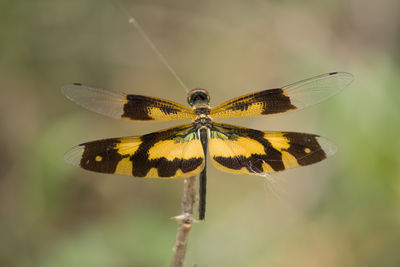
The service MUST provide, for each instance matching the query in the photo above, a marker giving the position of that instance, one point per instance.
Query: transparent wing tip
(344, 78)
(65, 87)
(74, 155)
(317, 89)
(69, 90)
(102, 101)
(327, 146)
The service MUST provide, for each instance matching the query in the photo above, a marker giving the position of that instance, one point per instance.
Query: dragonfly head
(198, 97)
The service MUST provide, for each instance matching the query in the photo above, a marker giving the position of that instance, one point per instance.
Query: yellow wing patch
(277, 140)
(180, 113)
(170, 149)
(241, 146)
(124, 167)
(237, 109)
(128, 145)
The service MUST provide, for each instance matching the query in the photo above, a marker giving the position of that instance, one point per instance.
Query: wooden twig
(185, 221)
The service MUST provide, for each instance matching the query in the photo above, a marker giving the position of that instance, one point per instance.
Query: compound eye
(190, 99)
(198, 96)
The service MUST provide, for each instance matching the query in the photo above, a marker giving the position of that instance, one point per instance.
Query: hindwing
(172, 153)
(247, 151)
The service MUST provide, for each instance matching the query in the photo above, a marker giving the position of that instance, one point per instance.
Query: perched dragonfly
(181, 151)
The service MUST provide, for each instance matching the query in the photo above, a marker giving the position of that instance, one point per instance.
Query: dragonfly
(181, 151)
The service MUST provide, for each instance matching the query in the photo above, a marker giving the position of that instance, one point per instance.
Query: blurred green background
(344, 211)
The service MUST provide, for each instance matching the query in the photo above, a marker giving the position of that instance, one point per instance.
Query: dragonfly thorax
(203, 122)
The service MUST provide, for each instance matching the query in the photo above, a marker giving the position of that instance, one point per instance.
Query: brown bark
(185, 222)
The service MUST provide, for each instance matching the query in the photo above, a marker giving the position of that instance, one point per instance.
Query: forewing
(123, 106)
(172, 153)
(280, 100)
(247, 151)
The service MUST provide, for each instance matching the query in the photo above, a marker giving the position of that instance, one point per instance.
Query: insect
(181, 151)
